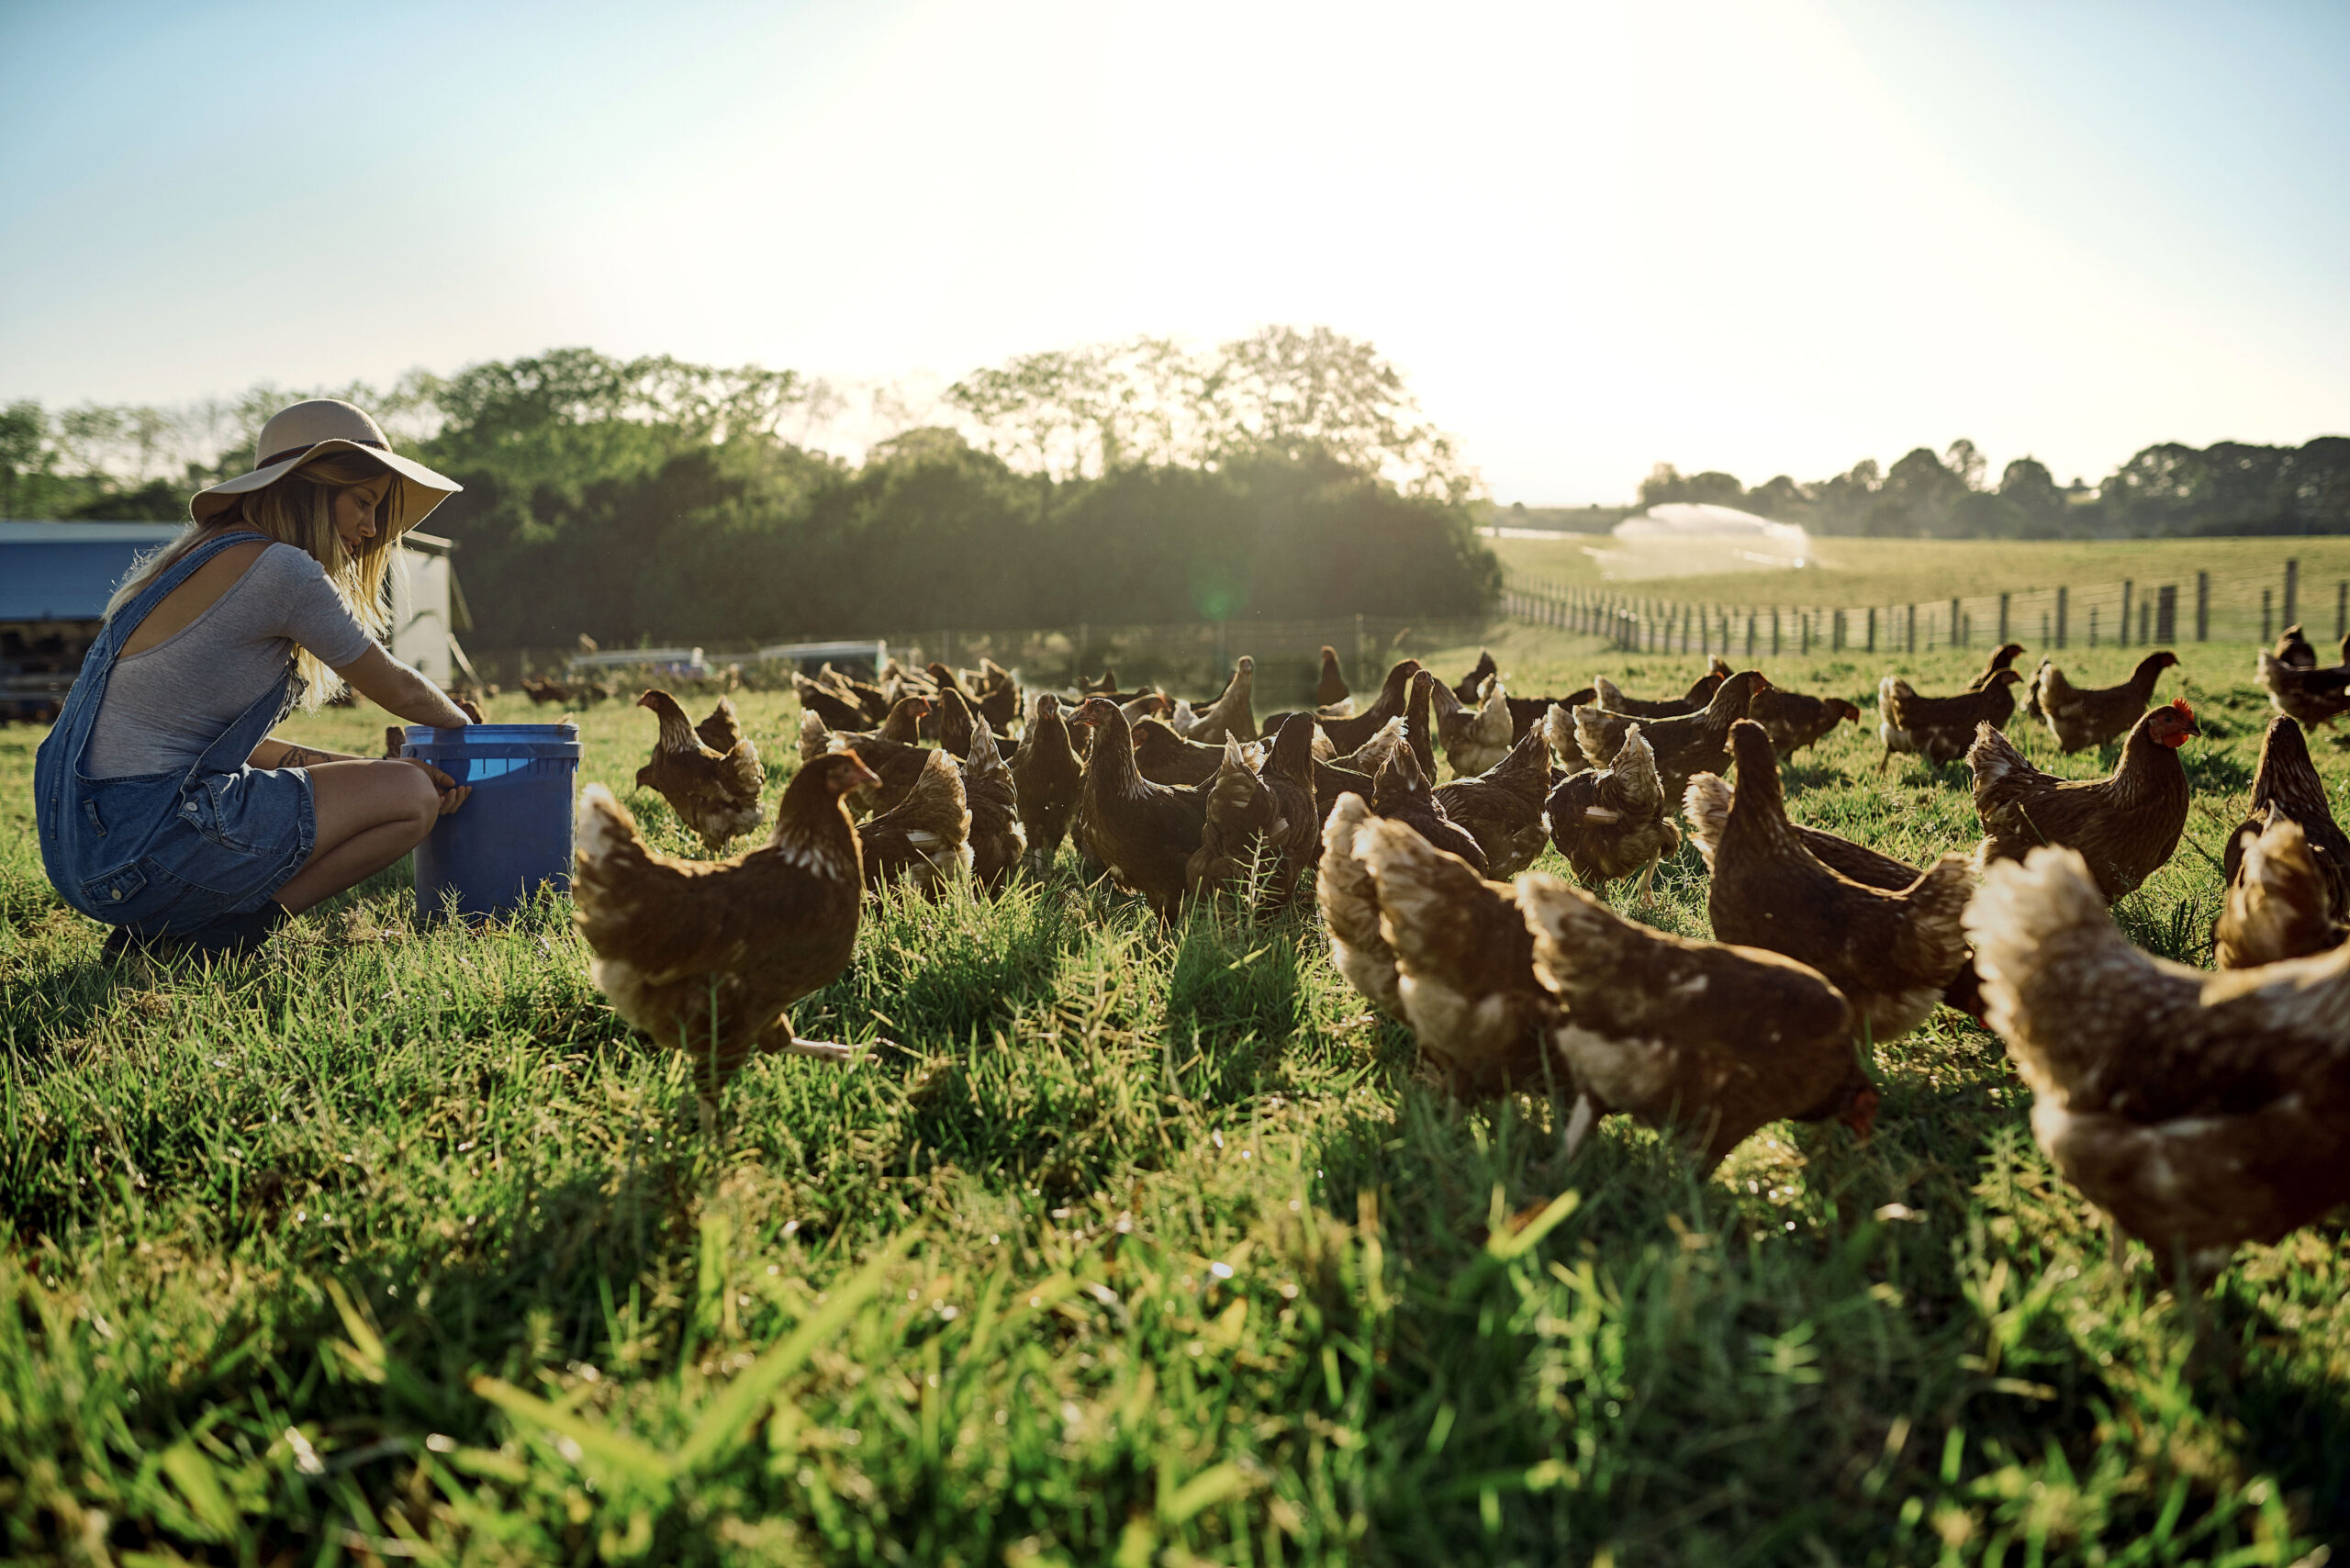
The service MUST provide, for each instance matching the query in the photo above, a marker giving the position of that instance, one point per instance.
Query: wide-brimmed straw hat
(315, 429)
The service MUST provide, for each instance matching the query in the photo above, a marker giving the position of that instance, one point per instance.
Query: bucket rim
(491, 735)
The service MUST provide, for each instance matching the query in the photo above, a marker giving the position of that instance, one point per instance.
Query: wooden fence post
(2145, 609)
(1958, 638)
(2003, 618)
(2092, 625)
(2292, 593)
(2122, 632)
(1872, 629)
(2064, 607)
(2202, 606)
(2166, 614)
(1909, 623)
(2268, 631)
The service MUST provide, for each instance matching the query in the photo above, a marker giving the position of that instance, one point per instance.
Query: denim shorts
(228, 842)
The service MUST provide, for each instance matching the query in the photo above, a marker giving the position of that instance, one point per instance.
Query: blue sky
(1759, 236)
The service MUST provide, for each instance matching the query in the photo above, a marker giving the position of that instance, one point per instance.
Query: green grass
(1147, 1246)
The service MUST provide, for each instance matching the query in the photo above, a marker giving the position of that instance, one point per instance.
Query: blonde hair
(299, 510)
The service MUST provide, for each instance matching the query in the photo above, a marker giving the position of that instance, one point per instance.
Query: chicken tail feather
(1706, 803)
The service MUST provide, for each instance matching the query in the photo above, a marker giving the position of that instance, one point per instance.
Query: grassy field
(1853, 572)
(1147, 1247)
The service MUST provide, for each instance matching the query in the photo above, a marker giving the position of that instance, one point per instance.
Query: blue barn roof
(65, 571)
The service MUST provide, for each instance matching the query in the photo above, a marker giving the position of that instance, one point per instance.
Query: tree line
(2229, 488)
(1287, 474)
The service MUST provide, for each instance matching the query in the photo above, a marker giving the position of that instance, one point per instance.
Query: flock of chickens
(2200, 1109)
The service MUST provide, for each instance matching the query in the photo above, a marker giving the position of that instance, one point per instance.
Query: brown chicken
(1419, 726)
(1049, 779)
(2311, 697)
(1332, 781)
(1534, 712)
(1331, 690)
(957, 721)
(926, 838)
(1470, 688)
(832, 708)
(2278, 903)
(1891, 953)
(1348, 734)
(1464, 965)
(1615, 820)
(1289, 774)
(897, 764)
(1501, 807)
(871, 700)
(1374, 753)
(1794, 720)
(1143, 833)
(1229, 715)
(998, 840)
(1474, 738)
(2002, 657)
(1350, 902)
(1718, 1039)
(2125, 826)
(705, 956)
(2286, 788)
(1691, 701)
(2079, 718)
(2293, 649)
(944, 680)
(1237, 840)
(1165, 757)
(2201, 1110)
(1401, 793)
(1939, 729)
(998, 694)
(715, 794)
(1693, 743)
(722, 731)
(1707, 804)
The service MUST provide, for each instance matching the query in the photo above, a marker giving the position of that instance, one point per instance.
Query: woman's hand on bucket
(453, 794)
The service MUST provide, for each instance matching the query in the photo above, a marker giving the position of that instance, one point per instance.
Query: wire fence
(1187, 659)
(2213, 606)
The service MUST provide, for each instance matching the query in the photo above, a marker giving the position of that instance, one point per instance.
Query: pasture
(1144, 1246)
(1858, 572)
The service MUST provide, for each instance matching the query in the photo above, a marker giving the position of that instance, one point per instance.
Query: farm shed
(55, 578)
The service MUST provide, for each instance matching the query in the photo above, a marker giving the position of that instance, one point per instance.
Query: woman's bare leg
(369, 815)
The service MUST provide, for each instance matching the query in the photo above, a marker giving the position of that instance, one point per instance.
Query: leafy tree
(1782, 498)
(2030, 492)
(1085, 412)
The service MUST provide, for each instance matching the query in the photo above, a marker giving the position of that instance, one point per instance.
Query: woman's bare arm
(389, 683)
(275, 752)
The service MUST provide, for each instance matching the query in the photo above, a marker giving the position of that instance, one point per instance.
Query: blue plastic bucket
(514, 834)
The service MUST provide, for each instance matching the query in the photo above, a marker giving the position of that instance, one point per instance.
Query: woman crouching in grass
(167, 809)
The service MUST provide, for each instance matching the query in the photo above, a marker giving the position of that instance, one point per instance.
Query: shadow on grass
(2299, 1426)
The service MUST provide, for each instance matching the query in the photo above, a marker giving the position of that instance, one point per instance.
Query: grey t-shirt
(165, 707)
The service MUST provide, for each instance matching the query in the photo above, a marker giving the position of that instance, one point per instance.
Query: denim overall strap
(65, 822)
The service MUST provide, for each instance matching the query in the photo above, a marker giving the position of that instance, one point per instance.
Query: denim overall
(168, 854)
